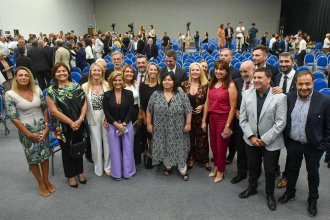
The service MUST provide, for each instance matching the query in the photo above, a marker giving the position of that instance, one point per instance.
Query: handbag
(147, 156)
(77, 150)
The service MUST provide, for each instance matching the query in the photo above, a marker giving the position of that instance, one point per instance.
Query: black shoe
(83, 181)
(328, 165)
(271, 202)
(229, 159)
(311, 207)
(247, 193)
(326, 160)
(74, 186)
(286, 197)
(237, 179)
(277, 174)
(89, 158)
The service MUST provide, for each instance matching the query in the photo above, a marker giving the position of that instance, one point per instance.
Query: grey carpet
(149, 195)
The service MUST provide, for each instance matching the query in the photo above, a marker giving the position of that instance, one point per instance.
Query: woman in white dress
(27, 110)
(94, 89)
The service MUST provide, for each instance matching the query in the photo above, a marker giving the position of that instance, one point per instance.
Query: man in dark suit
(151, 50)
(229, 35)
(260, 57)
(41, 63)
(227, 55)
(307, 134)
(117, 58)
(180, 74)
(242, 84)
(285, 83)
(286, 44)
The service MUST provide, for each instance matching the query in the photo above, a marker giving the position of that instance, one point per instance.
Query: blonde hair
(31, 86)
(90, 80)
(202, 78)
(146, 81)
(112, 77)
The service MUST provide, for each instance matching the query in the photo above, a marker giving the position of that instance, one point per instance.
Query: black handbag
(147, 156)
(77, 149)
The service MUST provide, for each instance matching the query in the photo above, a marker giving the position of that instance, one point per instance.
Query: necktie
(247, 85)
(141, 78)
(285, 84)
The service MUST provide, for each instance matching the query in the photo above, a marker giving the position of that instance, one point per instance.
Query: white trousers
(99, 144)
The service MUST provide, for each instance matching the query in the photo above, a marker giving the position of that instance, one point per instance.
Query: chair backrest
(75, 69)
(320, 84)
(325, 91)
(237, 65)
(271, 61)
(86, 69)
(302, 68)
(318, 75)
(309, 58)
(322, 61)
(75, 77)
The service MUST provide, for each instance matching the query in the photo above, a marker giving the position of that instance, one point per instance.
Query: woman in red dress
(220, 105)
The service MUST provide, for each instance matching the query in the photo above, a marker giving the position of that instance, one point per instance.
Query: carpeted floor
(149, 195)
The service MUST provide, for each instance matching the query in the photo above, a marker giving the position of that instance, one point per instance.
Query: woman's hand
(76, 124)
(227, 132)
(43, 134)
(121, 128)
(203, 126)
(187, 128)
(199, 109)
(105, 124)
(150, 128)
(34, 137)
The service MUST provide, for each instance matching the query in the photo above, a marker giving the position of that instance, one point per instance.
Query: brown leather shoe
(282, 183)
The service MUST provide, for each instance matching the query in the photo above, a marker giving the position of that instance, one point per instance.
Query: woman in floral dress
(67, 104)
(28, 111)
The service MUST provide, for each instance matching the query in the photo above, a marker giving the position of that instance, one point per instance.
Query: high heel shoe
(84, 181)
(213, 173)
(207, 167)
(73, 185)
(219, 179)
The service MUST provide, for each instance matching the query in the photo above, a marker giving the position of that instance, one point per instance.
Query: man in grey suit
(263, 119)
(180, 74)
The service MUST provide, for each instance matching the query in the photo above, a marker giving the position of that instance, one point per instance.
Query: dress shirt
(244, 86)
(290, 76)
(4, 48)
(260, 102)
(302, 45)
(89, 53)
(299, 119)
(138, 77)
(271, 42)
(173, 70)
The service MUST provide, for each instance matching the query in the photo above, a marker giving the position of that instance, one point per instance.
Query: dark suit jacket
(231, 32)
(114, 112)
(40, 59)
(234, 73)
(239, 82)
(293, 88)
(140, 47)
(180, 75)
(318, 120)
(26, 62)
(151, 51)
(274, 70)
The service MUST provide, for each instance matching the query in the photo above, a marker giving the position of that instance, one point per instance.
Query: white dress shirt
(288, 81)
(302, 45)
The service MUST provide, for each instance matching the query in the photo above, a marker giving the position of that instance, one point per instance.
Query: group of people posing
(256, 109)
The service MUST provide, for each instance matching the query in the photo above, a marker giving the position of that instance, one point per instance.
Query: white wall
(34, 16)
(172, 15)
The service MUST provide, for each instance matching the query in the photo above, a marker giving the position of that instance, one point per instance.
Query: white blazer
(271, 122)
(90, 111)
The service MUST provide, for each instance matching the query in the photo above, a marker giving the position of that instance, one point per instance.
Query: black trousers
(270, 158)
(300, 58)
(232, 148)
(72, 167)
(296, 152)
(242, 166)
(43, 78)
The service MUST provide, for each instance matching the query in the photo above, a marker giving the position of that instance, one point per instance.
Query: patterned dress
(69, 99)
(169, 140)
(31, 115)
(199, 151)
